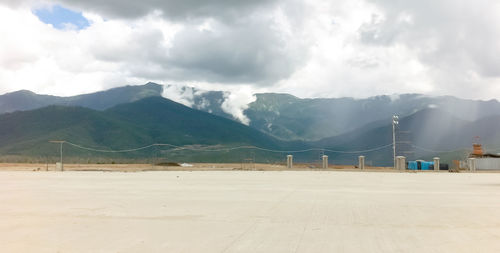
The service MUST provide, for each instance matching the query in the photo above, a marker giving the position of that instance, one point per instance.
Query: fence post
(436, 164)
(361, 162)
(472, 164)
(325, 162)
(400, 163)
(289, 161)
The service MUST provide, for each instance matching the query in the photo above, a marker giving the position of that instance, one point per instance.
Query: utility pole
(61, 151)
(395, 121)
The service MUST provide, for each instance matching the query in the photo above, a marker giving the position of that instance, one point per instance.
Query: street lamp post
(395, 121)
(61, 151)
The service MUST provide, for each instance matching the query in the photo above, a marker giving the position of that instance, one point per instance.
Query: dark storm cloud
(248, 52)
(242, 45)
(171, 9)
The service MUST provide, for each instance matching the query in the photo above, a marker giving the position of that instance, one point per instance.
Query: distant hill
(159, 120)
(143, 122)
(174, 123)
(282, 116)
(27, 100)
(288, 117)
(429, 132)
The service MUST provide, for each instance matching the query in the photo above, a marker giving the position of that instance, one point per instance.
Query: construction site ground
(231, 210)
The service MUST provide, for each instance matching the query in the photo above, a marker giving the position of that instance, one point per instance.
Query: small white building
(485, 161)
(488, 163)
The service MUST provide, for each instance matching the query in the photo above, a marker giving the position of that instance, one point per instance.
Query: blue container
(420, 165)
(426, 165)
(412, 165)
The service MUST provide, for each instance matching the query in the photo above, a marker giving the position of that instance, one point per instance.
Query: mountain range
(135, 124)
(134, 116)
(286, 116)
(26, 100)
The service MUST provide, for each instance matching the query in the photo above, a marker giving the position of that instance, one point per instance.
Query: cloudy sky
(310, 48)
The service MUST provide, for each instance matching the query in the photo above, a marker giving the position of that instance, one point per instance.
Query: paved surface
(249, 212)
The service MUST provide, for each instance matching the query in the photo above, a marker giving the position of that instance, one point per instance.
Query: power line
(438, 151)
(206, 149)
(109, 151)
(360, 151)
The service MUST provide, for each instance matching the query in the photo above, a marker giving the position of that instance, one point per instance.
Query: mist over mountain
(281, 115)
(140, 123)
(215, 102)
(158, 120)
(433, 123)
(424, 134)
(208, 101)
(289, 117)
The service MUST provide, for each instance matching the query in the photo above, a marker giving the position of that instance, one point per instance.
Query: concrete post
(59, 166)
(400, 163)
(289, 161)
(361, 162)
(472, 164)
(436, 163)
(325, 162)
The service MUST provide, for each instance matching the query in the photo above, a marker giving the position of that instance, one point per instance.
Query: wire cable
(206, 149)
(438, 151)
(108, 151)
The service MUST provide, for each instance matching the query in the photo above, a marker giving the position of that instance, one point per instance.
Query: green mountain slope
(174, 123)
(27, 100)
(288, 117)
(28, 132)
(281, 115)
(147, 121)
(424, 134)
(158, 120)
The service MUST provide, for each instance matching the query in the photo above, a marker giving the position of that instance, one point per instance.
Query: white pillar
(289, 161)
(325, 162)
(361, 162)
(59, 166)
(436, 163)
(400, 163)
(472, 164)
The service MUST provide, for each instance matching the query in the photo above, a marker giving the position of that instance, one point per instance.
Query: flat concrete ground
(249, 211)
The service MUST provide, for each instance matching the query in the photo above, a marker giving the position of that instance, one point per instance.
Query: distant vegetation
(135, 116)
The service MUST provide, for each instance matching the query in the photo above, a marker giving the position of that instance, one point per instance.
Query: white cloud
(317, 48)
(110, 53)
(180, 94)
(236, 102)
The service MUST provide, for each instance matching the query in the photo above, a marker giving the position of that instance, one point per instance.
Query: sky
(308, 48)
